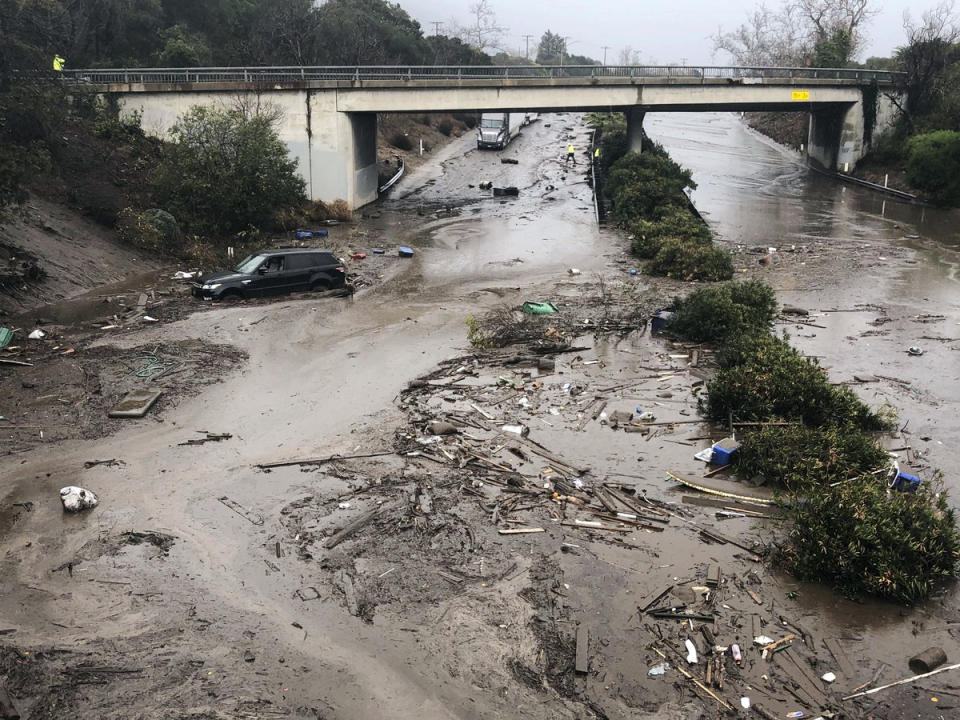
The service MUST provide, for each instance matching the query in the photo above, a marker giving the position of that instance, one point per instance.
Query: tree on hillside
(368, 32)
(454, 51)
(836, 28)
(799, 33)
(483, 32)
(551, 49)
(226, 172)
(927, 58)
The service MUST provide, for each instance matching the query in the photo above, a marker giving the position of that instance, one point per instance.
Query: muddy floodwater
(205, 587)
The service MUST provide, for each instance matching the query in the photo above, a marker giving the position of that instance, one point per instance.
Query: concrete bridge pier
(835, 137)
(635, 129)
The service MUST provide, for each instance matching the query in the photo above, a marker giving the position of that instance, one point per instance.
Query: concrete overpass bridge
(330, 113)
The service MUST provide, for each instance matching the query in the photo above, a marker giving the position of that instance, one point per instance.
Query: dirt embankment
(788, 129)
(399, 137)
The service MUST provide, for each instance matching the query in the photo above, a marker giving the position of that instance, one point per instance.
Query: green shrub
(678, 222)
(933, 165)
(226, 172)
(865, 540)
(445, 127)
(762, 378)
(722, 311)
(641, 184)
(689, 261)
(797, 458)
(154, 230)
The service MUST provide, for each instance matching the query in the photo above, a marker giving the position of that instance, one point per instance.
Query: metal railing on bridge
(410, 73)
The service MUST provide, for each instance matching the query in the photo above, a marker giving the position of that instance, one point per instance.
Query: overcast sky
(666, 31)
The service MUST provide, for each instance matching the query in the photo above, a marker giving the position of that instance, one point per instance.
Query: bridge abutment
(336, 152)
(840, 136)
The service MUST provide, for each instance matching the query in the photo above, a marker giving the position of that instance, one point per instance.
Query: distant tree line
(181, 33)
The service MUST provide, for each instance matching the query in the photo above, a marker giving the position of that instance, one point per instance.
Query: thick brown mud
(427, 610)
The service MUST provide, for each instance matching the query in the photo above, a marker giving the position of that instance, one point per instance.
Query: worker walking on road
(570, 154)
(58, 63)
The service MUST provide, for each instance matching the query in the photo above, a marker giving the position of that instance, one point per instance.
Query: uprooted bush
(762, 378)
(723, 311)
(865, 539)
(154, 230)
(796, 459)
(672, 222)
(683, 260)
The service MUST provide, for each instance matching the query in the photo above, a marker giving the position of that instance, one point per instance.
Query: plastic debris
(915, 350)
(37, 334)
(147, 318)
(658, 669)
(404, 251)
(795, 714)
(735, 651)
(745, 703)
(343, 505)
(574, 271)
(182, 275)
(521, 430)
(762, 639)
(539, 308)
(75, 499)
(828, 677)
(691, 652)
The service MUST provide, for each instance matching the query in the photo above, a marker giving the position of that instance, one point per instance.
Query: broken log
(320, 460)
(351, 528)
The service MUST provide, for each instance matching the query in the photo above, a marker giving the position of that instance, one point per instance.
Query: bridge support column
(835, 138)
(337, 152)
(635, 129)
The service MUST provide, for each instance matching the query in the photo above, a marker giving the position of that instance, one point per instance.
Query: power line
(605, 48)
(436, 26)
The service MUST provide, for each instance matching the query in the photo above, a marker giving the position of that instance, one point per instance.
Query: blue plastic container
(905, 482)
(724, 451)
(662, 319)
(303, 234)
(404, 251)
(320, 233)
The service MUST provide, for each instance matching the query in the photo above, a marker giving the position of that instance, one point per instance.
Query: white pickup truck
(496, 130)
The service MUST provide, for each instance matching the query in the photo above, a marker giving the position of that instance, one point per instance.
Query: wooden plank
(520, 531)
(793, 666)
(755, 626)
(840, 656)
(654, 597)
(713, 576)
(583, 657)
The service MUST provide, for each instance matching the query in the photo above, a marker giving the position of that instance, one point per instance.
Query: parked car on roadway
(274, 272)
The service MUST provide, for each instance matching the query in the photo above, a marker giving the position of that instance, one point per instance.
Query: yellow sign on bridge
(800, 95)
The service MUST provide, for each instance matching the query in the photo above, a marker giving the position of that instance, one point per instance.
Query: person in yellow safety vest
(570, 154)
(596, 155)
(58, 63)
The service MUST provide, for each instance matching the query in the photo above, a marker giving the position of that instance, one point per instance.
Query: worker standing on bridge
(571, 155)
(58, 63)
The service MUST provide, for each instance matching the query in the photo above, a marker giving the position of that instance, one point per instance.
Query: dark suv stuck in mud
(274, 272)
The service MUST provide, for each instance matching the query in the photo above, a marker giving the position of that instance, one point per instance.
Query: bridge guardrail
(150, 76)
